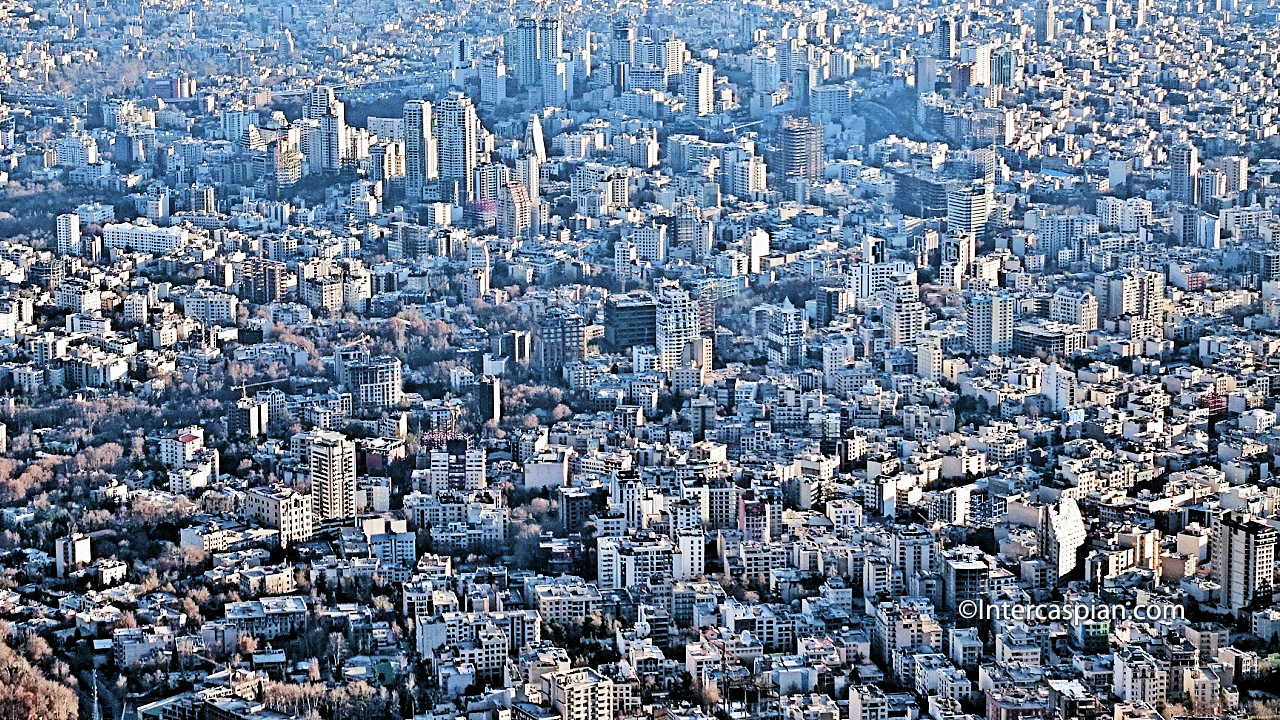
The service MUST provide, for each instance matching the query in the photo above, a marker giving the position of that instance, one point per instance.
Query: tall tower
(944, 38)
(1046, 21)
(1244, 550)
(623, 45)
(515, 211)
(333, 137)
(535, 143)
(969, 206)
(903, 312)
(699, 88)
(550, 38)
(333, 476)
(677, 324)
(68, 234)
(1237, 169)
(561, 338)
(557, 82)
(989, 323)
(421, 154)
(493, 79)
(802, 150)
(528, 52)
(458, 129)
(1184, 166)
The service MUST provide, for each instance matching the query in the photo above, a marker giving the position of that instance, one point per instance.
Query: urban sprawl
(669, 359)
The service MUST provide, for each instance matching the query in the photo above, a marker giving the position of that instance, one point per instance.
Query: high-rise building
(71, 552)
(249, 417)
(1062, 534)
(969, 206)
(488, 179)
(535, 143)
(945, 32)
(68, 227)
(766, 75)
(1004, 67)
(1237, 169)
(671, 56)
(319, 100)
(801, 149)
(262, 281)
(334, 143)
(332, 461)
(561, 338)
(457, 467)
(528, 173)
(677, 324)
(785, 338)
(580, 694)
(515, 211)
(421, 153)
(284, 509)
(493, 80)
(527, 54)
(1244, 552)
(989, 323)
(550, 38)
(1184, 168)
(1074, 307)
(693, 233)
(376, 382)
(458, 130)
(630, 320)
(904, 314)
(557, 81)
(623, 43)
(698, 84)
(1129, 292)
(1046, 20)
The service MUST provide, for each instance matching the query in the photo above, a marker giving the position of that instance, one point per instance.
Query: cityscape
(704, 360)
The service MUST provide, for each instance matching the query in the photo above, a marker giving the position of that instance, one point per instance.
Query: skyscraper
(1237, 169)
(493, 79)
(333, 137)
(515, 212)
(677, 324)
(944, 38)
(528, 174)
(989, 323)
(623, 45)
(1062, 533)
(333, 475)
(527, 52)
(1003, 67)
(557, 81)
(421, 152)
(693, 233)
(698, 84)
(535, 143)
(969, 206)
(458, 130)
(1046, 19)
(1244, 551)
(904, 314)
(1184, 167)
(550, 38)
(801, 149)
(785, 338)
(561, 338)
(68, 234)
